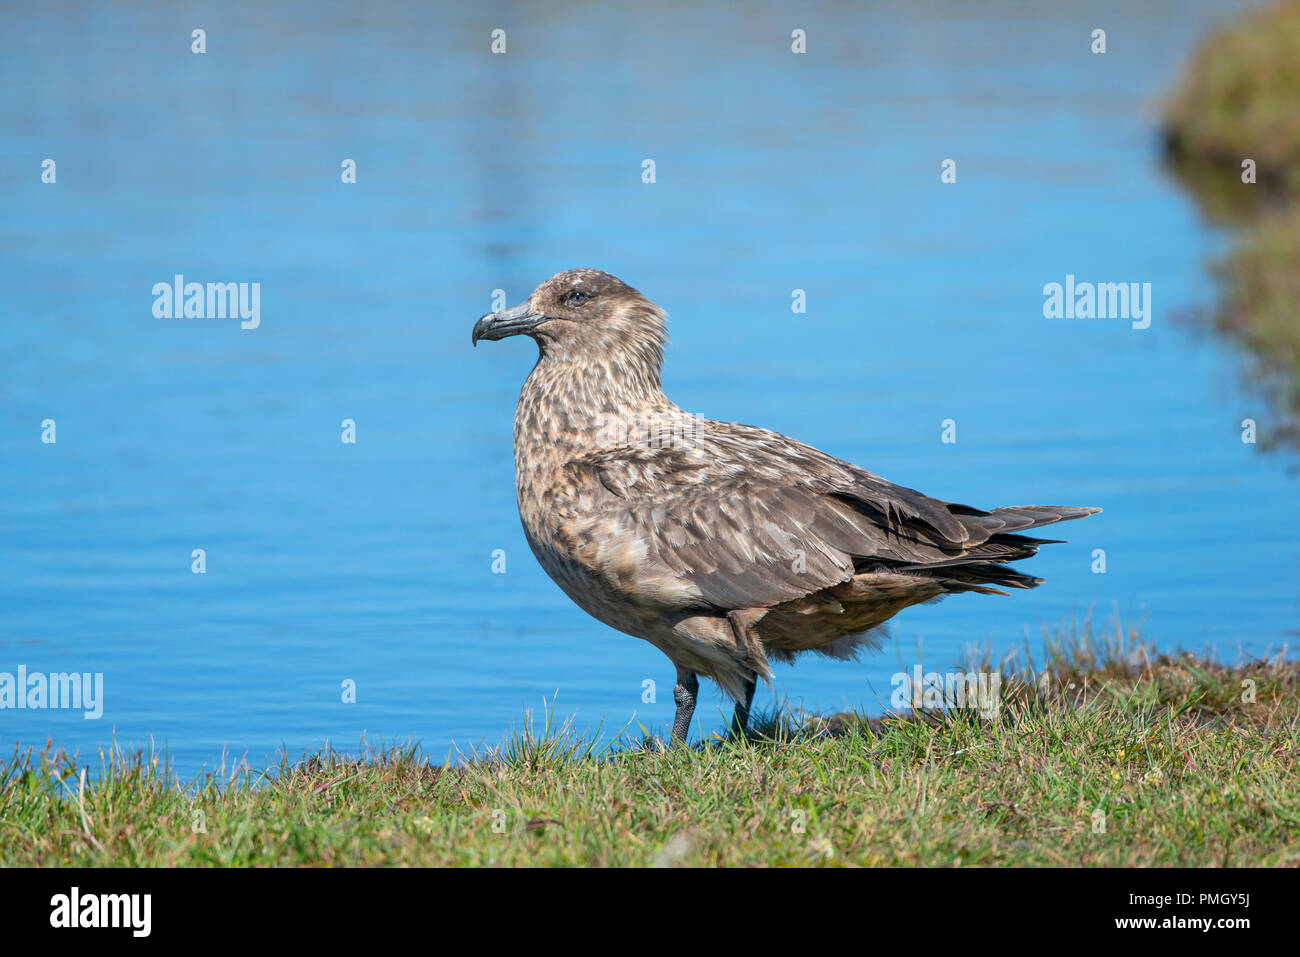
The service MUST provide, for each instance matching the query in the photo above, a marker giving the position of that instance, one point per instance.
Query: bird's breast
(596, 555)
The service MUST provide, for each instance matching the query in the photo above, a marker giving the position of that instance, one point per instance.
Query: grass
(1106, 755)
(1240, 98)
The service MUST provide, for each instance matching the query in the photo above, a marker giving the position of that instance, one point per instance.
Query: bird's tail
(983, 566)
(1019, 517)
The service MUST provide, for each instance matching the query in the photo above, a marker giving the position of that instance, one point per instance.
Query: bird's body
(723, 545)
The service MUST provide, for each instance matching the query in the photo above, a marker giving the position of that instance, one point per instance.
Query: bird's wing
(752, 518)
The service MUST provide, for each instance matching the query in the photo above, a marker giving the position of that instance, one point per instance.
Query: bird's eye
(576, 298)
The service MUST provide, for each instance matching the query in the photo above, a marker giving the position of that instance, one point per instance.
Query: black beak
(507, 322)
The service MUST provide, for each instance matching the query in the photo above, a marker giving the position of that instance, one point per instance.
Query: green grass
(1106, 755)
(1239, 98)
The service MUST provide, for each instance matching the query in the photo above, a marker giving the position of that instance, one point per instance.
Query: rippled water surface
(373, 562)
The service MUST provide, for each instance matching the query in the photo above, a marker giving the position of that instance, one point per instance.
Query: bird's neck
(571, 405)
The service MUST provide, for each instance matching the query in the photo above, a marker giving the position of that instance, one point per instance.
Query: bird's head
(581, 313)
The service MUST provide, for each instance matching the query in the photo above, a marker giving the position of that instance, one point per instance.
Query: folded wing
(751, 519)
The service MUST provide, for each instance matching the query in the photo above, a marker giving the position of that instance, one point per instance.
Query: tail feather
(1018, 517)
(984, 563)
(976, 576)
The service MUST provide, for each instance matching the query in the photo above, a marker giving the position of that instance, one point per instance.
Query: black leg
(684, 694)
(740, 720)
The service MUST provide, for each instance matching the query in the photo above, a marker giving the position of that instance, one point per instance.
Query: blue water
(373, 562)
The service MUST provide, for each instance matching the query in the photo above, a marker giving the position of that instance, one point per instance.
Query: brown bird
(725, 546)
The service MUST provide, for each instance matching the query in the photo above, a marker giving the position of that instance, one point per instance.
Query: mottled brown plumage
(725, 546)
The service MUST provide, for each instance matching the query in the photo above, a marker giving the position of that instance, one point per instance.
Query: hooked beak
(507, 322)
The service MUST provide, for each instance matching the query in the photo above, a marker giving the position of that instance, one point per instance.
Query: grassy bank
(1239, 99)
(1112, 758)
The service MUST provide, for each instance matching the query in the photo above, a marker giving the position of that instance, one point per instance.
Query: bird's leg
(740, 720)
(748, 644)
(684, 693)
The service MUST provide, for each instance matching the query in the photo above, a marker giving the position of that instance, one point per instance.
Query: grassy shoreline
(1107, 755)
(1239, 101)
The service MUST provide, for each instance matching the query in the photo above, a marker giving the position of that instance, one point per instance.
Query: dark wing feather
(752, 518)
